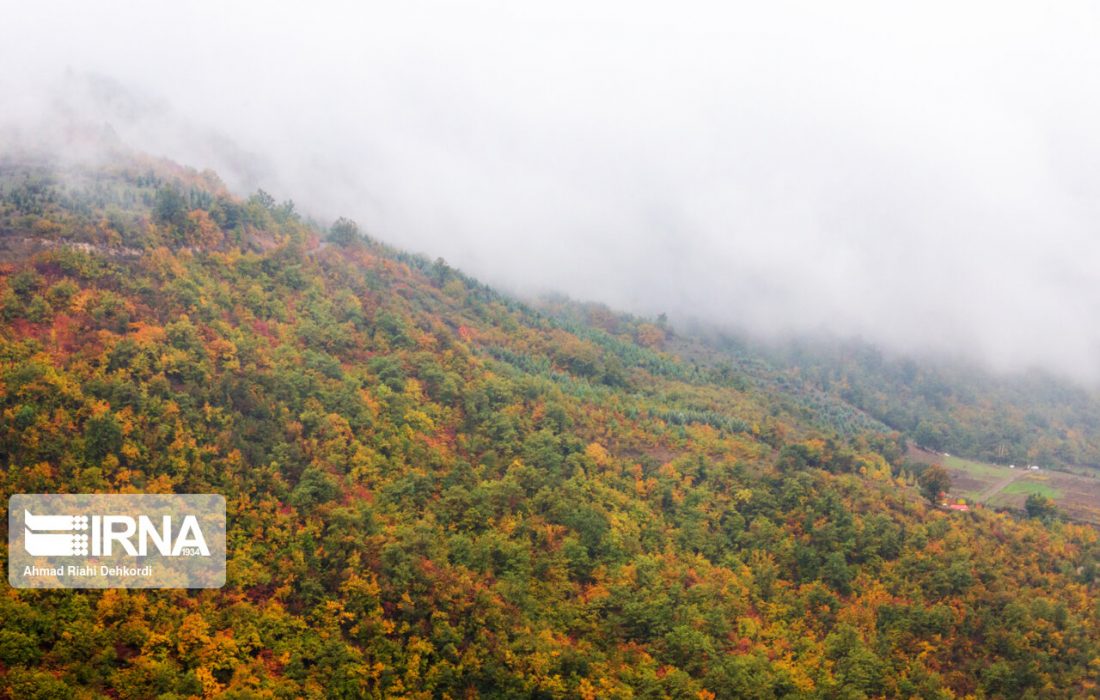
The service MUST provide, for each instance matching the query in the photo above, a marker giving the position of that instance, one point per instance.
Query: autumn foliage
(437, 491)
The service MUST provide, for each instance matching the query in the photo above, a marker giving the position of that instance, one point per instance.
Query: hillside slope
(1026, 418)
(436, 491)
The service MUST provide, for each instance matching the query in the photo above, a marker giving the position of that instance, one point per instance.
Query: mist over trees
(914, 175)
(436, 489)
(573, 350)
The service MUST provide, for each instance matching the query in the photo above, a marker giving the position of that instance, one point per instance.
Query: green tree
(1040, 507)
(170, 207)
(102, 436)
(933, 481)
(344, 232)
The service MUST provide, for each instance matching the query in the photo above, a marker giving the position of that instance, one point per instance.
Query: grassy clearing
(1029, 486)
(970, 478)
(1076, 495)
(978, 469)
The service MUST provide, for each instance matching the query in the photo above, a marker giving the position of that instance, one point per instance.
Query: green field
(1076, 495)
(1028, 485)
(972, 480)
(973, 467)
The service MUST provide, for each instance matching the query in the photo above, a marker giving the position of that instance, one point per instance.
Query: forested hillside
(437, 491)
(950, 406)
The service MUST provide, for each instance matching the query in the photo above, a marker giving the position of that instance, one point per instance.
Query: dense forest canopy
(955, 406)
(435, 490)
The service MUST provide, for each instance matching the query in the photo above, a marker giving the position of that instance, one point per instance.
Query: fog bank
(926, 177)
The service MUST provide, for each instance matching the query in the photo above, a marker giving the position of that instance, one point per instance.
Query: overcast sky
(926, 175)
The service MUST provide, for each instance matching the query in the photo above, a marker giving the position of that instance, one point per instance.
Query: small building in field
(959, 505)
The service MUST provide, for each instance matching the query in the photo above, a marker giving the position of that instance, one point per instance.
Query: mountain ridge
(435, 490)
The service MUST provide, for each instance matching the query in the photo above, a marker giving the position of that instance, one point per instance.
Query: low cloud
(925, 177)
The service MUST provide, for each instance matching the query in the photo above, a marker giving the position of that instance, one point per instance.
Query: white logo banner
(116, 541)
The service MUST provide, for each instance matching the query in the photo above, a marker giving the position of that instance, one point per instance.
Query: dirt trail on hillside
(996, 488)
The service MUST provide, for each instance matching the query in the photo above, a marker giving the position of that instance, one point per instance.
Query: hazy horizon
(924, 178)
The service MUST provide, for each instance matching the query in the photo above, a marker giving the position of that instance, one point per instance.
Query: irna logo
(116, 540)
(65, 536)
